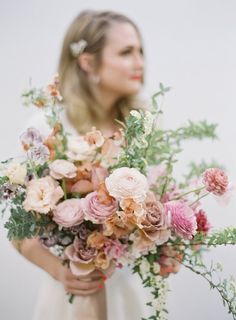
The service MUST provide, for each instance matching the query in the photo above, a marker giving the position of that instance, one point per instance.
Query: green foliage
(23, 224)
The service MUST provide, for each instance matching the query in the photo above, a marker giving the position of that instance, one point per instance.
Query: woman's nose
(138, 61)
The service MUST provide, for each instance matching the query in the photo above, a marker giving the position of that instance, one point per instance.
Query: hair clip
(77, 48)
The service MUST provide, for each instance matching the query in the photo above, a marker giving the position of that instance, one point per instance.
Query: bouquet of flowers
(102, 202)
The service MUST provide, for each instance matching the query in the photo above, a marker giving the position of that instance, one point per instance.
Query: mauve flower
(68, 213)
(31, 138)
(127, 183)
(183, 219)
(215, 181)
(38, 154)
(62, 169)
(96, 211)
(81, 257)
(42, 195)
(155, 222)
(203, 224)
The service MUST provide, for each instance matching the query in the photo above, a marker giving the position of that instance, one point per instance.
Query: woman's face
(121, 69)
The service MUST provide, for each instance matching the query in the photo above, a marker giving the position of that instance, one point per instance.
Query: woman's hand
(82, 286)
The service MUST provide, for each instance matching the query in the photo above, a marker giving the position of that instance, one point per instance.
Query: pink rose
(69, 213)
(96, 211)
(215, 181)
(155, 222)
(42, 195)
(183, 219)
(62, 169)
(126, 183)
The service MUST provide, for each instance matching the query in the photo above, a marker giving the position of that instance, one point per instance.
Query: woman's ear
(86, 62)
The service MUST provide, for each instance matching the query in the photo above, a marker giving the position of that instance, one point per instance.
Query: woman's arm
(36, 253)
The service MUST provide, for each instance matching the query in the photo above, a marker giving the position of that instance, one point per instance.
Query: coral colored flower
(169, 261)
(183, 219)
(42, 195)
(127, 183)
(215, 181)
(96, 240)
(203, 224)
(62, 169)
(68, 213)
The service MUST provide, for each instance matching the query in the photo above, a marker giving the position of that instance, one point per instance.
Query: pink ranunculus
(126, 183)
(203, 224)
(62, 169)
(69, 213)
(215, 181)
(155, 223)
(96, 211)
(42, 195)
(183, 219)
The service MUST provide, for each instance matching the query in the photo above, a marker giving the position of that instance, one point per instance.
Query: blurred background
(190, 46)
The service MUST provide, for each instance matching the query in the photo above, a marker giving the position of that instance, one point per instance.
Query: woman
(101, 72)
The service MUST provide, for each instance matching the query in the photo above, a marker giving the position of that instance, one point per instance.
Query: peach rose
(42, 195)
(102, 261)
(94, 137)
(117, 226)
(127, 183)
(62, 169)
(96, 240)
(69, 213)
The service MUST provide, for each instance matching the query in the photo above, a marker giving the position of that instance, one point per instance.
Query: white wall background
(191, 46)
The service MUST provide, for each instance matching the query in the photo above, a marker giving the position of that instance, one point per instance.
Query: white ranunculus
(127, 183)
(79, 149)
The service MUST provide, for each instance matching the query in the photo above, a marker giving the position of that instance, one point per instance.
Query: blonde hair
(81, 106)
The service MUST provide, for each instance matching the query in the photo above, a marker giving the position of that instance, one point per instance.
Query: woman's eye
(125, 52)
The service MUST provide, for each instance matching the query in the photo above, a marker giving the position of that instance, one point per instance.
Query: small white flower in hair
(78, 47)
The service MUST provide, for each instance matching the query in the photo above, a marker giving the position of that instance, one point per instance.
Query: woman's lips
(138, 78)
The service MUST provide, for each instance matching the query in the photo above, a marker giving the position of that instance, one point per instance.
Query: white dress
(126, 298)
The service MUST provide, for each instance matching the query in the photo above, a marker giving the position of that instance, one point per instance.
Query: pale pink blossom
(39, 154)
(183, 219)
(42, 195)
(225, 199)
(110, 150)
(215, 181)
(114, 249)
(60, 169)
(68, 213)
(96, 211)
(30, 138)
(128, 183)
